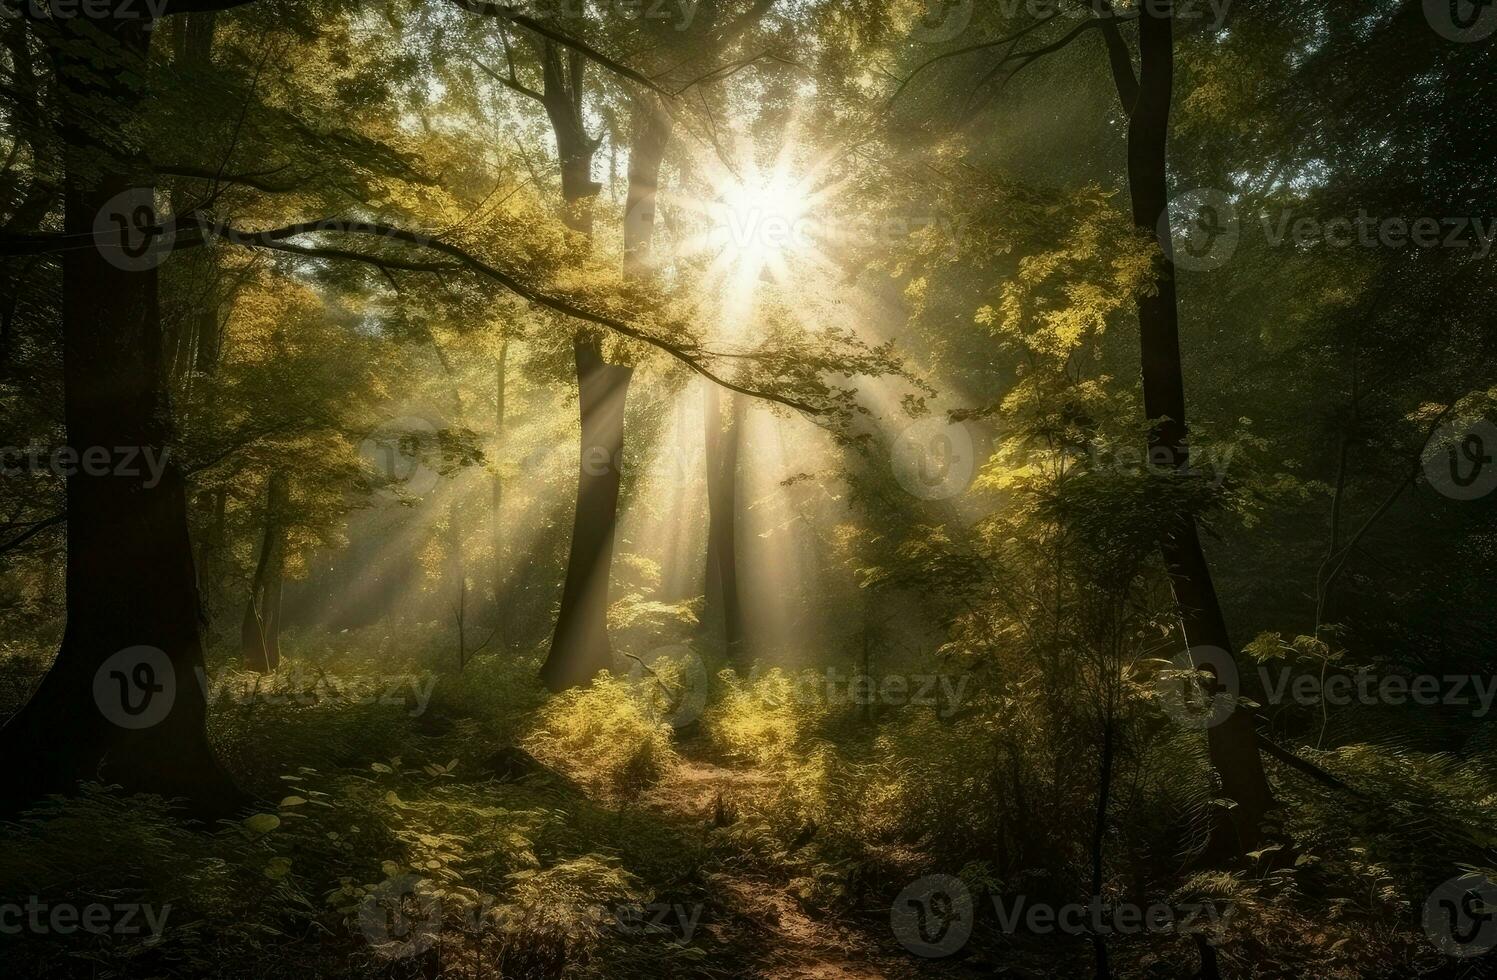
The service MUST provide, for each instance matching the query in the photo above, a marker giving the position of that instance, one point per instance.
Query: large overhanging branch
(191, 234)
(462, 260)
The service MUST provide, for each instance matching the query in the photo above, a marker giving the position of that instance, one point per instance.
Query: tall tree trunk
(724, 600)
(652, 128)
(651, 131)
(500, 570)
(563, 73)
(580, 647)
(210, 546)
(1232, 743)
(124, 700)
(260, 628)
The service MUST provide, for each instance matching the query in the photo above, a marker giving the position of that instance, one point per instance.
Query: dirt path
(754, 911)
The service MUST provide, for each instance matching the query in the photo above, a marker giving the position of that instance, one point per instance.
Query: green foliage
(606, 736)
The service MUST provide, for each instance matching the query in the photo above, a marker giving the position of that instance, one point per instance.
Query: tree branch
(246, 180)
(276, 239)
(35, 529)
(513, 15)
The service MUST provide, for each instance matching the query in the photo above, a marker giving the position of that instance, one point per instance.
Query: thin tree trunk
(724, 600)
(1099, 833)
(497, 502)
(124, 700)
(209, 549)
(580, 647)
(1232, 743)
(259, 636)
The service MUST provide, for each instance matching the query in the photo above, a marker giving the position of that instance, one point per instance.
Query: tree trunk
(724, 600)
(580, 647)
(651, 134)
(496, 506)
(210, 547)
(1233, 743)
(563, 74)
(125, 699)
(260, 629)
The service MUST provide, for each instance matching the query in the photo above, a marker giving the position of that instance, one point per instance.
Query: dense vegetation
(786, 488)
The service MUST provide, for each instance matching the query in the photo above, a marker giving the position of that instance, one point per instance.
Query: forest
(812, 489)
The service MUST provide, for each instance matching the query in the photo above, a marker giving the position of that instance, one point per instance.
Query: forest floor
(754, 913)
